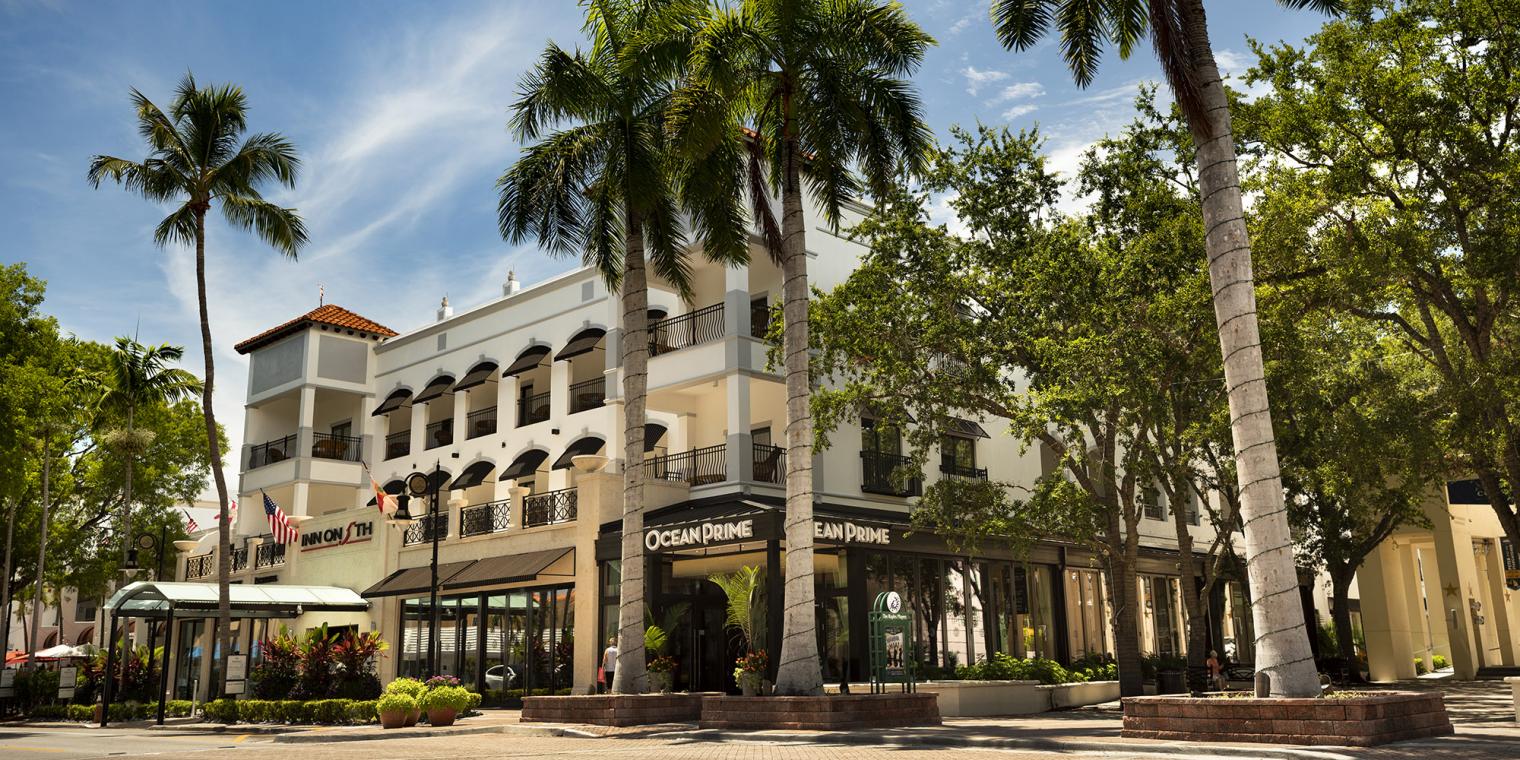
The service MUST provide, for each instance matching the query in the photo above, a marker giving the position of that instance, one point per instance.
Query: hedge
(1002, 667)
(316, 711)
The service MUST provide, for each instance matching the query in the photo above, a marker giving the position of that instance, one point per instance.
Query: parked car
(500, 677)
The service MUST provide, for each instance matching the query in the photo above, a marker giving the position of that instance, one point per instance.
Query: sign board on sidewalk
(237, 667)
(67, 677)
(7, 683)
(235, 687)
(891, 643)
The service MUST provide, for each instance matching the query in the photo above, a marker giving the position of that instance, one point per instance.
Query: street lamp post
(146, 542)
(417, 486)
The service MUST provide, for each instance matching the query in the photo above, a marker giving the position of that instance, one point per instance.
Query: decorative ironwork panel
(683, 330)
(549, 508)
(696, 467)
(425, 529)
(269, 555)
(270, 452)
(491, 517)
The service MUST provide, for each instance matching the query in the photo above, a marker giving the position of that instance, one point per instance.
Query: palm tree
(1179, 33)
(196, 160)
(141, 376)
(603, 181)
(822, 83)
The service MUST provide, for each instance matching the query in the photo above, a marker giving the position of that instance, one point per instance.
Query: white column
(1495, 609)
(740, 459)
(559, 391)
(419, 429)
(506, 404)
(1384, 588)
(1459, 576)
(461, 416)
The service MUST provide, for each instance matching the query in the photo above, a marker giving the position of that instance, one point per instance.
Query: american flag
(231, 511)
(190, 524)
(279, 525)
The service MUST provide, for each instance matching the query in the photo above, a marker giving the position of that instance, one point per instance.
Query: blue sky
(399, 110)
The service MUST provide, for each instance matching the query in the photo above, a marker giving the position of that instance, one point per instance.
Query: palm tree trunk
(214, 454)
(42, 539)
(630, 676)
(797, 672)
(1282, 643)
(126, 507)
(5, 581)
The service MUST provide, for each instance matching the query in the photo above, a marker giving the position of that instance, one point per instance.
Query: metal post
(110, 674)
(158, 572)
(432, 527)
(163, 673)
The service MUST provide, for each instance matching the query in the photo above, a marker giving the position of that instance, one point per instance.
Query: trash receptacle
(1171, 682)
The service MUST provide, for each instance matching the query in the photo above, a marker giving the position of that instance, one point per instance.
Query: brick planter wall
(832, 712)
(614, 709)
(1361, 721)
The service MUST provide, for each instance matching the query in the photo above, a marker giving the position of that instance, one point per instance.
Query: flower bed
(1350, 719)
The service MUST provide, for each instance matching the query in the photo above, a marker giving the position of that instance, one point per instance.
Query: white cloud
(1019, 91)
(978, 78)
(1019, 110)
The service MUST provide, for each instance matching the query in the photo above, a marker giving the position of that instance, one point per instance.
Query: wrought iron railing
(759, 319)
(269, 452)
(770, 464)
(678, 332)
(588, 395)
(329, 446)
(398, 444)
(201, 566)
(876, 474)
(440, 433)
(549, 508)
(696, 467)
(963, 471)
(491, 517)
(425, 529)
(239, 559)
(534, 408)
(480, 422)
(268, 555)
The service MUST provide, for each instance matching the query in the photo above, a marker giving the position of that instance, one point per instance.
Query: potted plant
(396, 709)
(444, 703)
(413, 688)
(751, 672)
(662, 671)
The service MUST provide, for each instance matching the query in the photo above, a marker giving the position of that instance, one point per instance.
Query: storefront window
(496, 640)
(414, 631)
(1087, 613)
(957, 650)
(1239, 643)
(977, 601)
(187, 668)
(927, 601)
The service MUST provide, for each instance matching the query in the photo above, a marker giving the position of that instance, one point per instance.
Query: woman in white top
(609, 661)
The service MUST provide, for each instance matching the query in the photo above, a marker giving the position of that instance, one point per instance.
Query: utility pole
(47, 442)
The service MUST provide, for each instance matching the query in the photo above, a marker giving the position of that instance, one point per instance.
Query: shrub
(81, 713)
(408, 686)
(1004, 667)
(1440, 661)
(1419, 666)
(178, 708)
(396, 701)
(437, 681)
(278, 668)
(220, 711)
(445, 697)
(49, 712)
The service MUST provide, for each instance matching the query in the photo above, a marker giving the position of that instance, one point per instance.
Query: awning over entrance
(473, 475)
(524, 465)
(435, 388)
(583, 342)
(395, 401)
(591, 444)
(526, 360)
(477, 375)
(199, 600)
(966, 428)
(414, 580)
(512, 568)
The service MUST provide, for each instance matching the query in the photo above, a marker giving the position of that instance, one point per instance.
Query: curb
(861, 738)
(224, 728)
(311, 736)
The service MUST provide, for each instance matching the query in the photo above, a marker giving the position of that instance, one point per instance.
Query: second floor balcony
(426, 529)
(270, 452)
(268, 555)
(481, 422)
(344, 448)
(955, 470)
(398, 444)
(879, 474)
(696, 467)
(480, 519)
(591, 394)
(675, 333)
(531, 409)
(200, 566)
(440, 433)
(549, 508)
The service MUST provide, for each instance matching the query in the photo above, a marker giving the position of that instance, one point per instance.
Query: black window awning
(510, 568)
(526, 360)
(414, 580)
(393, 488)
(473, 475)
(873, 411)
(437, 479)
(478, 374)
(435, 388)
(584, 341)
(591, 444)
(395, 401)
(958, 426)
(653, 432)
(524, 465)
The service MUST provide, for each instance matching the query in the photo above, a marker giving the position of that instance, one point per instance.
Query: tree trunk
(214, 455)
(1122, 594)
(798, 672)
(1194, 594)
(126, 507)
(630, 676)
(5, 582)
(42, 538)
(1282, 642)
(1340, 612)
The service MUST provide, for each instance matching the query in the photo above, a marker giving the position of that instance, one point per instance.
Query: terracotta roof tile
(327, 314)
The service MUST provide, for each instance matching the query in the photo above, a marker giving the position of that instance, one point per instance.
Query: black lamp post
(417, 486)
(145, 542)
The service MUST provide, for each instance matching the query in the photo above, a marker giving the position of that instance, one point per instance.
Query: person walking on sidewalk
(609, 662)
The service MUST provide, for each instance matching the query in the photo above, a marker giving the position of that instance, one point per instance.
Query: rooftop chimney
(445, 310)
(511, 286)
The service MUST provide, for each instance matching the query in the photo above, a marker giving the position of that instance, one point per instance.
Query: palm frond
(1021, 23)
(544, 195)
(562, 86)
(177, 227)
(280, 227)
(1169, 37)
(1127, 22)
(262, 157)
(1082, 33)
(1329, 7)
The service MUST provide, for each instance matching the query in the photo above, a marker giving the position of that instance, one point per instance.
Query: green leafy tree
(602, 179)
(198, 159)
(819, 87)
(1180, 37)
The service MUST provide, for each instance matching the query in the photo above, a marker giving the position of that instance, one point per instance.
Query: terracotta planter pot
(395, 719)
(412, 717)
(442, 716)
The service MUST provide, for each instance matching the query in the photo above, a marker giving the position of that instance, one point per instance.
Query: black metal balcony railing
(876, 474)
(678, 332)
(481, 422)
(963, 471)
(278, 450)
(549, 508)
(440, 433)
(770, 464)
(696, 467)
(759, 319)
(491, 517)
(591, 394)
(239, 559)
(398, 444)
(426, 528)
(531, 409)
(329, 446)
(201, 566)
(268, 555)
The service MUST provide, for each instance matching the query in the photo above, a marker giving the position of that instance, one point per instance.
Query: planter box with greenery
(444, 703)
(396, 710)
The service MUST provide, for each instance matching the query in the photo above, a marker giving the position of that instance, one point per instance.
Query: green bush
(81, 713)
(1004, 667)
(221, 711)
(396, 701)
(49, 712)
(1440, 661)
(445, 697)
(408, 686)
(317, 711)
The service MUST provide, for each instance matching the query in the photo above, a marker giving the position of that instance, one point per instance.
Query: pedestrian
(609, 662)
(1216, 671)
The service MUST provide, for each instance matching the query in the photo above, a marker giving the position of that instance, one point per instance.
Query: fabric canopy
(966, 428)
(526, 360)
(653, 432)
(473, 475)
(478, 374)
(414, 580)
(524, 465)
(591, 444)
(435, 388)
(393, 488)
(584, 341)
(395, 401)
(143, 599)
(510, 568)
(437, 479)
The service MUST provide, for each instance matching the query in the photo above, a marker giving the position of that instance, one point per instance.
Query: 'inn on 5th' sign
(338, 535)
(709, 533)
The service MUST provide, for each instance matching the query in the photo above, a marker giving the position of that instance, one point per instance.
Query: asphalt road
(79, 743)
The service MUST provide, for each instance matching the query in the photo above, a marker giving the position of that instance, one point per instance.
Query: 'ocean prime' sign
(338, 535)
(850, 533)
(699, 535)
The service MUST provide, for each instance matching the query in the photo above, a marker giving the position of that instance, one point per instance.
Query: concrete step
(1497, 672)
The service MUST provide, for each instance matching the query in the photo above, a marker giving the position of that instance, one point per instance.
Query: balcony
(591, 394)
(270, 452)
(426, 529)
(549, 508)
(268, 555)
(345, 448)
(696, 467)
(202, 566)
(534, 408)
(769, 464)
(440, 433)
(701, 326)
(759, 319)
(876, 474)
(239, 559)
(398, 444)
(481, 422)
(953, 470)
(480, 519)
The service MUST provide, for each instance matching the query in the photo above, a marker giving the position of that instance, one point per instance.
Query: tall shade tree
(1180, 36)
(821, 84)
(601, 180)
(197, 159)
(142, 376)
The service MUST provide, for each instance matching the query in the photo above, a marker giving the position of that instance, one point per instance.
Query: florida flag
(381, 497)
(279, 524)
